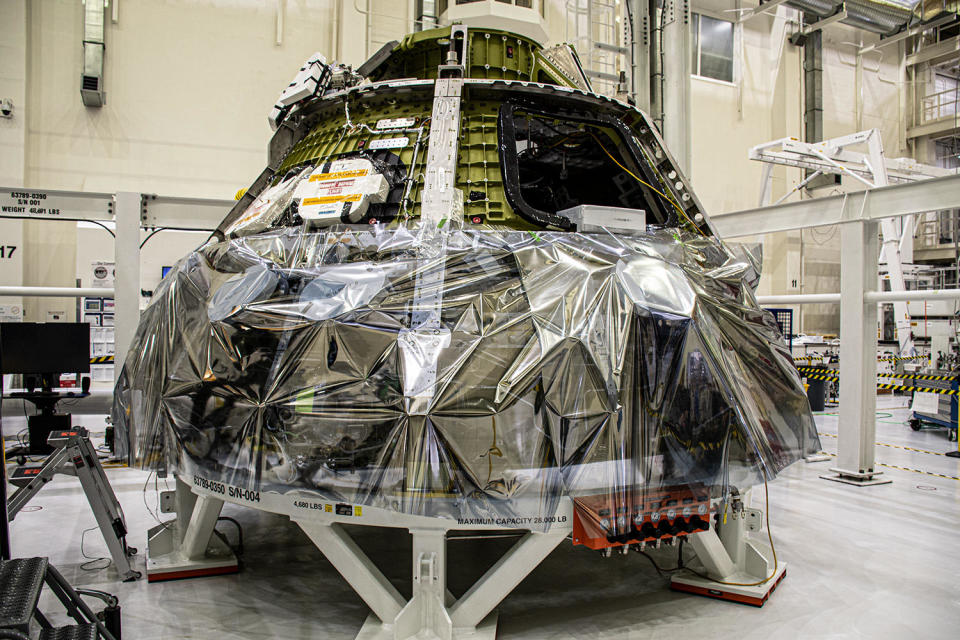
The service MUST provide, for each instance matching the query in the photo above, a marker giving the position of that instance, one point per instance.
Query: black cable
(86, 566)
(108, 229)
(663, 573)
(239, 549)
(151, 234)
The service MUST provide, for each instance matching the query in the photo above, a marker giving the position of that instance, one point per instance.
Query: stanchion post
(956, 453)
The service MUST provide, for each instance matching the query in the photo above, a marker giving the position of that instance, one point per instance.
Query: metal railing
(940, 105)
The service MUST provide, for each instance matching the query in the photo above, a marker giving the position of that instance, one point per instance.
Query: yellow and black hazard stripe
(101, 360)
(917, 376)
(817, 370)
(809, 358)
(813, 373)
(899, 358)
(929, 473)
(901, 387)
(893, 466)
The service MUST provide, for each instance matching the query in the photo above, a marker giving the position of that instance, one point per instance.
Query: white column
(858, 356)
(676, 92)
(127, 284)
(641, 54)
(426, 615)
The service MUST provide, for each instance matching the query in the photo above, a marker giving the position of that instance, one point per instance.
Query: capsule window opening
(553, 162)
(563, 164)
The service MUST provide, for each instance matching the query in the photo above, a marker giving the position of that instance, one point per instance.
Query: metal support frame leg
(187, 547)
(503, 577)
(858, 358)
(732, 565)
(766, 185)
(893, 239)
(357, 569)
(431, 611)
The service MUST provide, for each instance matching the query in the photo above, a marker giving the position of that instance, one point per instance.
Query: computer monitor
(164, 271)
(42, 351)
(44, 347)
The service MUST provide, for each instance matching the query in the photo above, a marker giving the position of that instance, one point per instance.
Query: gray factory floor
(878, 562)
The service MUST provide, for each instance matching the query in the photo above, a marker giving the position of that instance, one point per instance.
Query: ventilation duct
(885, 17)
(91, 77)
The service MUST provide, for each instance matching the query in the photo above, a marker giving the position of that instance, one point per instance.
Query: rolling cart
(946, 415)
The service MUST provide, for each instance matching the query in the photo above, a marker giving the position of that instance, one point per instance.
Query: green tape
(304, 401)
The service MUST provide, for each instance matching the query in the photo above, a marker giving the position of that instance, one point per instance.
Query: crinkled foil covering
(560, 364)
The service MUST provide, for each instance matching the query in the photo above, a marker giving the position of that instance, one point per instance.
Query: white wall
(162, 250)
(13, 85)
(13, 77)
(766, 104)
(189, 84)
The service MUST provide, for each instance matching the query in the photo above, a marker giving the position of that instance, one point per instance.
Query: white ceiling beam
(934, 194)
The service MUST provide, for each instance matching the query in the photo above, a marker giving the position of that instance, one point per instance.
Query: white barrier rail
(869, 296)
(57, 292)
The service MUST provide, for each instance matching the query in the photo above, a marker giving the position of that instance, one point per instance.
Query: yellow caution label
(353, 197)
(328, 508)
(338, 175)
(357, 511)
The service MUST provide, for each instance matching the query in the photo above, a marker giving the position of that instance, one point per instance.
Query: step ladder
(74, 455)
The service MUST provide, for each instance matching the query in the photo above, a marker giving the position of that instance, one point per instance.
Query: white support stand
(432, 612)
(858, 358)
(127, 286)
(737, 567)
(186, 547)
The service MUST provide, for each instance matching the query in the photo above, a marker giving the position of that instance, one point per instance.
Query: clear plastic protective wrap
(473, 374)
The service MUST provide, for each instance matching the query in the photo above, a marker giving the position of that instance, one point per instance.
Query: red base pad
(720, 594)
(195, 573)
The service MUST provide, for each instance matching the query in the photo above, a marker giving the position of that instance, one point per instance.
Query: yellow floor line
(892, 446)
(893, 466)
